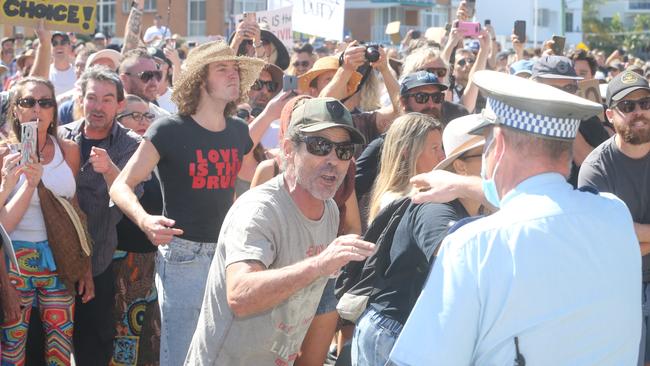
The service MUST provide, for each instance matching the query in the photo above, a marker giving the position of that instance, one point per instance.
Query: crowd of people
(434, 202)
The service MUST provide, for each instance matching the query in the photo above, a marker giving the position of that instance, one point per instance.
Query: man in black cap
(62, 73)
(558, 72)
(621, 165)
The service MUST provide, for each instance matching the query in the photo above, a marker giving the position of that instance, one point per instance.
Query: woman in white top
(38, 284)
(413, 145)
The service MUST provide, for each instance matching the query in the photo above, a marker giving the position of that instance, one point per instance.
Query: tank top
(58, 178)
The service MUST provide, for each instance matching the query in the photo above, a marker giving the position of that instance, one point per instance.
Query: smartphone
(471, 8)
(520, 30)
(558, 45)
(289, 82)
(487, 22)
(28, 143)
(416, 34)
(250, 17)
(191, 44)
(469, 29)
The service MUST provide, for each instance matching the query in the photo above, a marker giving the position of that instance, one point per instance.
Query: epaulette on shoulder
(588, 189)
(462, 222)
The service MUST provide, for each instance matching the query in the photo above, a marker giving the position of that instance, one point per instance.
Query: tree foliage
(612, 34)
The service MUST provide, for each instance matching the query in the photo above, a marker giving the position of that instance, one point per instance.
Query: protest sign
(590, 89)
(323, 18)
(64, 15)
(392, 29)
(279, 21)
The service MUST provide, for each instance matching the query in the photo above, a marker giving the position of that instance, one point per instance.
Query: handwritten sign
(279, 21)
(323, 18)
(68, 16)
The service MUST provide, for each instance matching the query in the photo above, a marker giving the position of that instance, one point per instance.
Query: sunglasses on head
(62, 42)
(439, 71)
(146, 76)
(321, 146)
(271, 85)
(465, 61)
(423, 98)
(30, 102)
(628, 106)
(137, 116)
(569, 88)
(301, 63)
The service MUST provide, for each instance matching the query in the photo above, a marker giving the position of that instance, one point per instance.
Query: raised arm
(132, 28)
(470, 94)
(353, 57)
(41, 67)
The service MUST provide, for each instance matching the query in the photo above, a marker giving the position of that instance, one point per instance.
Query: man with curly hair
(198, 154)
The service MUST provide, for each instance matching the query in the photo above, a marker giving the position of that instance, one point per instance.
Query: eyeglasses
(146, 76)
(569, 88)
(423, 98)
(271, 85)
(30, 102)
(301, 63)
(137, 116)
(465, 61)
(439, 71)
(628, 106)
(321, 146)
(62, 42)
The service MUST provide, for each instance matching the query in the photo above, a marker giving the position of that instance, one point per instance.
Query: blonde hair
(403, 145)
(416, 60)
(369, 93)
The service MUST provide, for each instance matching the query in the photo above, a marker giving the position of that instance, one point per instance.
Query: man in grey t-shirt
(621, 165)
(277, 247)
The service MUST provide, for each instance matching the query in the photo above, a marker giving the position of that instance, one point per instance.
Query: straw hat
(457, 140)
(209, 52)
(324, 64)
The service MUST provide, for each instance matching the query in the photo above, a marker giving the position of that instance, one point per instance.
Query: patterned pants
(38, 285)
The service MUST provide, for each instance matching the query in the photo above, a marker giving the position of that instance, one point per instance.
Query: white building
(626, 9)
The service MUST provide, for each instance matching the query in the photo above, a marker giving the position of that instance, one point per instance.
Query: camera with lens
(372, 52)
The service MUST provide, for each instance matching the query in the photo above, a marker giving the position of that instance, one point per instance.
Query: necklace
(40, 152)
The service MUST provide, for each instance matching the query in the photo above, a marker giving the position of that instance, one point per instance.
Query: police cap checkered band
(553, 127)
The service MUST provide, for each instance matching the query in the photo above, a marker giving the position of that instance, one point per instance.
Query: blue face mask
(489, 186)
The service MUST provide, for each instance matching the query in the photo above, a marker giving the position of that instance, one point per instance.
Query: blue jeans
(181, 273)
(373, 339)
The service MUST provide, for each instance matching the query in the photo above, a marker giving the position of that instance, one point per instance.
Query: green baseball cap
(317, 114)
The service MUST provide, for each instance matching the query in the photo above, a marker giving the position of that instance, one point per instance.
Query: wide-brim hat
(20, 61)
(322, 65)
(531, 107)
(215, 51)
(276, 73)
(457, 140)
(3, 69)
(283, 59)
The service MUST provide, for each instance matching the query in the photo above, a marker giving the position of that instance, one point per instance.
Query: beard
(632, 135)
(433, 112)
(309, 181)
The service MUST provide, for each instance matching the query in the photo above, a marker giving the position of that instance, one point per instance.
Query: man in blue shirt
(540, 281)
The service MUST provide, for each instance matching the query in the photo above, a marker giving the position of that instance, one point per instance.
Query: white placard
(322, 18)
(279, 21)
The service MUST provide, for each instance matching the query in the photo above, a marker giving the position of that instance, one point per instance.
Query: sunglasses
(137, 116)
(423, 98)
(628, 106)
(271, 85)
(243, 114)
(321, 146)
(569, 88)
(60, 43)
(30, 102)
(440, 72)
(301, 63)
(465, 61)
(146, 76)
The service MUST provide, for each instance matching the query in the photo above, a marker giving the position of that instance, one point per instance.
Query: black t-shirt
(594, 132)
(197, 172)
(419, 233)
(129, 236)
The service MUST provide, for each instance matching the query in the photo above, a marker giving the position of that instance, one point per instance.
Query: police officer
(539, 280)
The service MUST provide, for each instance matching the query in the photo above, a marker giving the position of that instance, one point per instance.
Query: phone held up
(289, 82)
(558, 45)
(469, 29)
(520, 30)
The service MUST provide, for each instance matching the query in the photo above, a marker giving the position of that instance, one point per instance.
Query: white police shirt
(555, 267)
